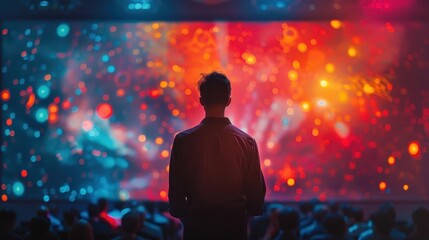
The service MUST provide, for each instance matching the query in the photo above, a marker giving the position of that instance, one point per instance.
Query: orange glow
(30, 101)
(165, 153)
(5, 95)
(24, 173)
(352, 52)
(368, 89)
(292, 75)
(159, 140)
(4, 197)
(9, 122)
(120, 92)
(405, 187)
(323, 83)
(330, 68)
(291, 182)
(163, 84)
(382, 186)
(53, 118)
(305, 106)
(315, 132)
(175, 112)
(188, 92)
(413, 148)
(267, 162)
(249, 58)
(142, 138)
(53, 108)
(391, 160)
(163, 194)
(302, 47)
(336, 24)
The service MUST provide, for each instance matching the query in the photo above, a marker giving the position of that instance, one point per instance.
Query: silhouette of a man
(215, 180)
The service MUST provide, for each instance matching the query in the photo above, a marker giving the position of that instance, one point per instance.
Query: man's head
(215, 90)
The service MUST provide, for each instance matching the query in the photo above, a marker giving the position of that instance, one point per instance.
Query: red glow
(104, 110)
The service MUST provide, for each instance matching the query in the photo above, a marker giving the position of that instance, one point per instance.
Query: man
(215, 176)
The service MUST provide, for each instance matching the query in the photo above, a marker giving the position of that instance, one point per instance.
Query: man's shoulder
(240, 133)
(188, 132)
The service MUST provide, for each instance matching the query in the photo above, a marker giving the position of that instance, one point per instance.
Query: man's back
(215, 177)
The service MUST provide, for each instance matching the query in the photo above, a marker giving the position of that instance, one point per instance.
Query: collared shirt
(215, 166)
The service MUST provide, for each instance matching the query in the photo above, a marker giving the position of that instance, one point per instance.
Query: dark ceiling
(205, 10)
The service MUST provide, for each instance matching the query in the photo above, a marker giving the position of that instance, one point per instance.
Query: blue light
(33, 158)
(46, 198)
(131, 6)
(18, 188)
(43, 91)
(111, 69)
(63, 30)
(42, 115)
(44, 3)
(39, 183)
(105, 58)
(138, 6)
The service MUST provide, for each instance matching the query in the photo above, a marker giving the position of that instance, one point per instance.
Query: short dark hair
(215, 89)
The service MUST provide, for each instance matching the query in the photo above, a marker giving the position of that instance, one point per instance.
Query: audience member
(130, 225)
(319, 211)
(39, 229)
(357, 223)
(7, 225)
(104, 207)
(421, 225)
(335, 228)
(288, 220)
(81, 230)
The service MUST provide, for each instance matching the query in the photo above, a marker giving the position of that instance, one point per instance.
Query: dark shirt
(215, 166)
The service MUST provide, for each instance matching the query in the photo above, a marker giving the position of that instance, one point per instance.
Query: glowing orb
(305, 106)
(322, 103)
(391, 160)
(43, 91)
(18, 188)
(323, 83)
(405, 187)
(104, 110)
(352, 52)
(336, 24)
(42, 115)
(5, 95)
(291, 182)
(87, 125)
(292, 75)
(382, 186)
(413, 148)
(63, 30)
(368, 89)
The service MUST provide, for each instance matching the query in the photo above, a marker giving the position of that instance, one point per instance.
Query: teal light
(42, 115)
(63, 30)
(18, 188)
(43, 91)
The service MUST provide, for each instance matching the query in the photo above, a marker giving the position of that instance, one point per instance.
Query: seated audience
(39, 229)
(357, 223)
(288, 220)
(131, 223)
(7, 225)
(421, 225)
(335, 228)
(81, 230)
(316, 228)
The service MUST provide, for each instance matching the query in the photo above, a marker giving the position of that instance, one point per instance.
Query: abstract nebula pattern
(340, 110)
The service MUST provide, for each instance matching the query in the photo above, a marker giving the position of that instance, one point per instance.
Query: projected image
(339, 109)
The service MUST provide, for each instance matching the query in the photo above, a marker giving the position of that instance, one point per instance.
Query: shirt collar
(216, 120)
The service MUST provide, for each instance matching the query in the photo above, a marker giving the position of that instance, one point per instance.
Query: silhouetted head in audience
(43, 211)
(273, 208)
(334, 206)
(421, 218)
(215, 93)
(70, 217)
(335, 225)
(319, 211)
(131, 222)
(7, 220)
(356, 215)
(305, 207)
(382, 223)
(93, 210)
(81, 230)
(288, 219)
(39, 227)
(103, 204)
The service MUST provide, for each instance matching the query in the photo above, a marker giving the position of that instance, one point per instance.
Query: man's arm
(176, 191)
(254, 183)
